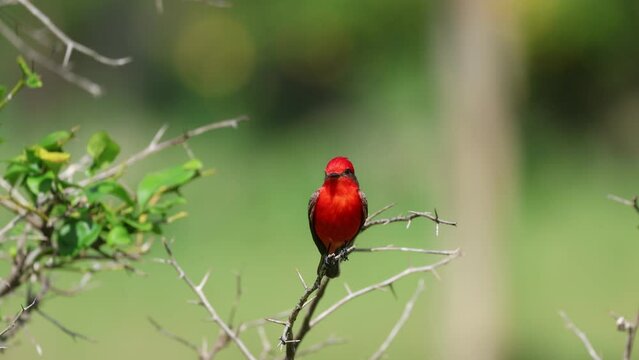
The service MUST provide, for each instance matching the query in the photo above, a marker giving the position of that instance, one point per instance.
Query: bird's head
(339, 167)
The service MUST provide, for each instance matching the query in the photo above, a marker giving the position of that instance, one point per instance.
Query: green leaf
(3, 91)
(15, 171)
(193, 164)
(166, 180)
(58, 210)
(102, 149)
(118, 236)
(99, 191)
(87, 234)
(31, 79)
(55, 140)
(166, 205)
(40, 183)
(67, 238)
(143, 227)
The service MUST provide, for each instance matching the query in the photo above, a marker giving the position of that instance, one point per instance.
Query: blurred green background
(367, 80)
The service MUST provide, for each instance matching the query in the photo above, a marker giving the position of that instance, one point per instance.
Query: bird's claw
(343, 254)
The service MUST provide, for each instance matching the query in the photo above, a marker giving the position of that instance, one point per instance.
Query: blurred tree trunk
(476, 52)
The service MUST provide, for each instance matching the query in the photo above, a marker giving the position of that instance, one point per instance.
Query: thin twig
(287, 334)
(630, 329)
(382, 285)
(407, 218)
(13, 322)
(266, 345)
(73, 334)
(68, 173)
(406, 249)
(173, 336)
(238, 297)
(378, 212)
(634, 202)
(9, 226)
(204, 301)
(581, 335)
(632, 334)
(400, 323)
(320, 346)
(64, 72)
(70, 43)
(155, 147)
(291, 347)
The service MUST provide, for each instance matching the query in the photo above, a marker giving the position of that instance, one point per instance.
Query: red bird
(336, 212)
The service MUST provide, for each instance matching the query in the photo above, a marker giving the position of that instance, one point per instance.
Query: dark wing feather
(311, 223)
(362, 197)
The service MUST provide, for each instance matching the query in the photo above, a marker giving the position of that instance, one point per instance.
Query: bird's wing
(362, 197)
(311, 222)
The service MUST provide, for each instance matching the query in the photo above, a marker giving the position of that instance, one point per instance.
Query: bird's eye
(348, 171)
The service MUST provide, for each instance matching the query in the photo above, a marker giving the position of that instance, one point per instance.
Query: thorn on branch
(301, 279)
(200, 287)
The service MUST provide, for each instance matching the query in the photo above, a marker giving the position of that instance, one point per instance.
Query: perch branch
(434, 217)
(383, 284)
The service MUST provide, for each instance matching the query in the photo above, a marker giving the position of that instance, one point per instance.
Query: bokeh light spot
(214, 56)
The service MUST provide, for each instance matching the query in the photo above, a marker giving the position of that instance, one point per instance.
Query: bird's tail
(332, 267)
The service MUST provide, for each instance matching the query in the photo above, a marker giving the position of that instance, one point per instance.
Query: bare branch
(13, 322)
(581, 335)
(291, 348)
(287, 334)
(73, 334)
(157, 147)
(70, 44)
(9, 226)
(320, 346)
(406, 218)
(75, 167)
(632, 334)
(378, 212)
(405, 249)
(634, 202)
(630, 329)
(400, 323)
(238, 297)
(173, 336)
(206, 304)
(81, 82)
(266, 345)
(383, 284)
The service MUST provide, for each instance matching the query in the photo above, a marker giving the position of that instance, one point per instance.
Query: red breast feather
(338, 213)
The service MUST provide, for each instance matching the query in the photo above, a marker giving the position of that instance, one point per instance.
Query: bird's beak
(332, 175)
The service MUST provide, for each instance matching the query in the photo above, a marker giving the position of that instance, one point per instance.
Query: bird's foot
(342, 254)
(330, 259)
